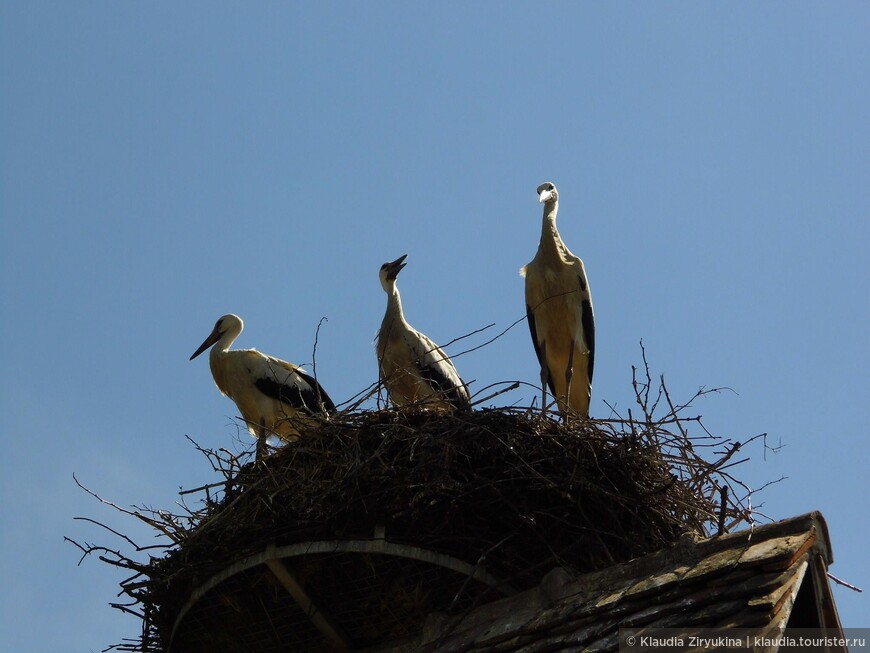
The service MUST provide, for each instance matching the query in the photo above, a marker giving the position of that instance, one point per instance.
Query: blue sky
(161, 165)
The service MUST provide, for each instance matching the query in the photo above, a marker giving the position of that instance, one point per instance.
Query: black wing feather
(587, 319)
(443, 385)
(530, 316)
(304, 400)
(327, 403)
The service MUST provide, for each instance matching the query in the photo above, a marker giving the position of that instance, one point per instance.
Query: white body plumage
(274, 397)
(412, 367)
(560, 314)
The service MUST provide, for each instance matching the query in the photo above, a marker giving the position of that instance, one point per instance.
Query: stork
(412, 367)
(274, 397)
(559, 310)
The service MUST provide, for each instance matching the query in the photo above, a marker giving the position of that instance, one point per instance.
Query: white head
(389, 272)
(547, 193)
(226, 329)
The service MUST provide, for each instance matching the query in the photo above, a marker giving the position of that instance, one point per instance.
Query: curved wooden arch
(271, 556)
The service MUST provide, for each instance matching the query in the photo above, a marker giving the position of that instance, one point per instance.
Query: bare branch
(839, 581)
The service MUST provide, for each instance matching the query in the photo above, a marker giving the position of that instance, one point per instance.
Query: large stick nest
(523, 492)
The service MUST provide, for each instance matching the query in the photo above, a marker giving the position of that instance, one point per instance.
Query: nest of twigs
(524, 493)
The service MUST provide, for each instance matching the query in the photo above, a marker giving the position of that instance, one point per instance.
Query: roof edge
(690, 549)
(811, 521)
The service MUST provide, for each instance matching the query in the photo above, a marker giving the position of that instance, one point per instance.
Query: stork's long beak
(545, 195)
(396, 266)
(213, 337)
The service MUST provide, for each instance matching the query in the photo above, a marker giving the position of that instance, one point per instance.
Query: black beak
(213, 337)
(394, 267)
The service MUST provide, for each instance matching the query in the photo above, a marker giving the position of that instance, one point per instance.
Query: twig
(723, 510)
(491, 340)
(512, 386)
(840, 581)
(314, 349)
(468, 335)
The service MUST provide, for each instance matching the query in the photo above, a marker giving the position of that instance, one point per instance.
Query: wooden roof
(763, 579)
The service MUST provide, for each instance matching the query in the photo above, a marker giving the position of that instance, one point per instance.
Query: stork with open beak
(274, 397)
(559, 310)
(412, 367)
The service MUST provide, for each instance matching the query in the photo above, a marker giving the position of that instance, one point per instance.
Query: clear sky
(162, 164)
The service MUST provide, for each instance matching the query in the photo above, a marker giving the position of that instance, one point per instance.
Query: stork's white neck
(394, 302)
(221, 347)
(228, 338)
(549, 233)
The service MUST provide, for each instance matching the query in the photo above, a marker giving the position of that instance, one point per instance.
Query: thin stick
(512, 386)
(840, 581)
(723, 509)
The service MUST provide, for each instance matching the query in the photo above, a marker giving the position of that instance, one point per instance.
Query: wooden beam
(318, 617)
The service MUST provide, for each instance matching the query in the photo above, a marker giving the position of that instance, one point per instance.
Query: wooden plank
(318, 617)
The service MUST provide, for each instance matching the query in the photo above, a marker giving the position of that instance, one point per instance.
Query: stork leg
(545, 376)
(569, 373)
(261, 439)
